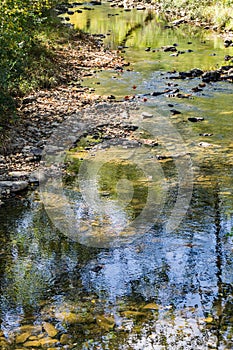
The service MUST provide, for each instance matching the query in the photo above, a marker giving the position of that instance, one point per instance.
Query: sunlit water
(162, 289)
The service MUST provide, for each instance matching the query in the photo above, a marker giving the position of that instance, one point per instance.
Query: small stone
(21, 338)
(65, 339)
(72, 318)
(227, 42)
(206, 134)
(205, 144)
(28, 100)
(31, 344)
(175, 111)
(105, 322)
(50, 329)
(134, 314)
(146, 115)
(179, 21)
(141, 7)
(33, 337)
(151, 306)
(2, 159)
(111, 97)
(170, 48)
(211, 76)
(195, 119)
(48, 341)
(32, 329)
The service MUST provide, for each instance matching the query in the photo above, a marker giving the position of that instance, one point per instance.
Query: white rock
(146, 115)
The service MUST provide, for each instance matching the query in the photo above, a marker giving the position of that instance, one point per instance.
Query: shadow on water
(163, 290)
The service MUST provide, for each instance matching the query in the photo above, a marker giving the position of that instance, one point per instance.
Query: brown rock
(50, 329)
(21, 338)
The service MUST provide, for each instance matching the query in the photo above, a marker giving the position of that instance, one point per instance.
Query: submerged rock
(65, 339)
(193, 73)
(105, 322)
(21, 338)
(50, 329)
(32, 344)
(48, 341)
(170, 48)
(134, 314)
(228, 42)
(175, 111)
(72, 317)
(151, 306)
(195, 119)
(211, 76)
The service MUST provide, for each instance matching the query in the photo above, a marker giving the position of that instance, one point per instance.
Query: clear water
(161, 289)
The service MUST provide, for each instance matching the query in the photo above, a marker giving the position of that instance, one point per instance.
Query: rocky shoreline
(41, 112)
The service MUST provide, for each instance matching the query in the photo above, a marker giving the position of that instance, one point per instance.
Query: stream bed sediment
(127, 242)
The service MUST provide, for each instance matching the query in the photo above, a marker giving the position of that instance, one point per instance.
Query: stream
(152, 267)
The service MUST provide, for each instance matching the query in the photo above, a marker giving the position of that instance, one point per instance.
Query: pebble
(65, 339)
(175, 111)
(195, 119)
(170, 48)
(32, 344)
(204, 144)
(50, 329)
(205, 134)
(21, 338)
(146, 115)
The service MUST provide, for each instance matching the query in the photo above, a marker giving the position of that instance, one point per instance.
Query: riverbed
(131, 247)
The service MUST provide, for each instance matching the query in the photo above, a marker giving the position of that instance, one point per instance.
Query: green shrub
(19, 24)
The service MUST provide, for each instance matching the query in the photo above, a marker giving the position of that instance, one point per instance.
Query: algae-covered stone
(208, 319)
(151, 306)
(32, 344)
(33, 337)
(48, 341)
(105, 322)
(65, 339)
(134, 314)
(71, 317)
(50, 329)
(21, 338)
(4, 345)
(31, 329)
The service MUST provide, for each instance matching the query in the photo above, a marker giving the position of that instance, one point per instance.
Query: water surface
(161, 290)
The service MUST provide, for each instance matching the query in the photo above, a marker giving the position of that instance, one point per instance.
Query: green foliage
(20, 21)
(218, 12)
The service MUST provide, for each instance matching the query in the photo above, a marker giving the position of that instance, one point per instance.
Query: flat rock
(19, 174)
(21, 338)
(32, 344)
(146, 115)
(13, 186)
(50, 329)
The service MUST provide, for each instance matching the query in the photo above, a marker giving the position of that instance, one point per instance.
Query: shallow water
(127, 287)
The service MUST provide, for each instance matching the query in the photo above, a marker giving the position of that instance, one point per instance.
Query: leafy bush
(19, 21)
